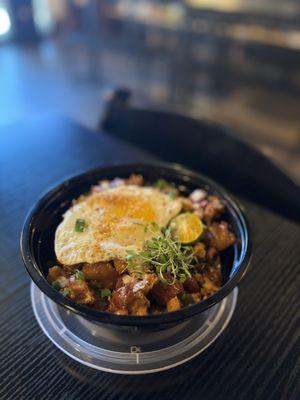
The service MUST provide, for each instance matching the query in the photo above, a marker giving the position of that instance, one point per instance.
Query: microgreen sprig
(163, 254)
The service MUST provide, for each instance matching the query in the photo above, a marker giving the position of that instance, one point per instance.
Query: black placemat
(255, 358)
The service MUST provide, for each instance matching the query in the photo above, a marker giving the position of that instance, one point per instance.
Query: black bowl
(37, 239)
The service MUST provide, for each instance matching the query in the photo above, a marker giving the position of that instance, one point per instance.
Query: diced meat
(119, 283)
(125, 280)
(207, 208)
(54, 273)
(211, 253)
(140, 305)
(128, 279)
(80, 292)
(120, 265)
(187, 204)
(146, 284)
(173, 304)
(214, 274)
(196, 297)
(199, 276)
(163, 292)
(199, 211)
(135, 179)
(102, 275)
(191, 285)
(130, 294)
(209, 280)
(121, 298)
(212, 257)
(199, 250)
(222, 237)
(200, 267)
(215, 262)
(213, 209)
(209, 287)
(139, 309)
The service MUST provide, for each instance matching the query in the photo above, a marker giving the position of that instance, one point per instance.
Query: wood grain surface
(257, 357)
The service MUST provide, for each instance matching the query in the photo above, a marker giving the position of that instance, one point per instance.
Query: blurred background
(235, 62)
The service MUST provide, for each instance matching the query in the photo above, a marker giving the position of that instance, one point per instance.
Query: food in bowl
(132, 248)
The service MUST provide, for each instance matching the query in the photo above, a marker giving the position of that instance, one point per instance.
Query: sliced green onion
(79, 274)
(105, 293)
(80, 225)
(161, 184)
(56, 285)
(186, 299)
(65, 292)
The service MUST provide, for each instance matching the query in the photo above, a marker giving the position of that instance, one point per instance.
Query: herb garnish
(165, 255)
(80, 225)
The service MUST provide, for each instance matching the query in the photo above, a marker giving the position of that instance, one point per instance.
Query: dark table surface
(257, 357)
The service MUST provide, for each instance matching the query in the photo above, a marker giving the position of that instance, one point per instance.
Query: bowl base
(130, 351)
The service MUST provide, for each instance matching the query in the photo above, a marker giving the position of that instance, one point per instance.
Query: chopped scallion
(79, 274)
(56, 285)
(105, 293)
(80, 225)
(65, 292)
(161, 184)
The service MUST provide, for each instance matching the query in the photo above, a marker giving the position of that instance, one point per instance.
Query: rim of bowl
(105, 317)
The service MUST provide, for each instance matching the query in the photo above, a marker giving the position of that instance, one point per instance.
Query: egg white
(115, 223)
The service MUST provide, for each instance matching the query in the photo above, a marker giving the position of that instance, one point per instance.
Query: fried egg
(115, 221)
